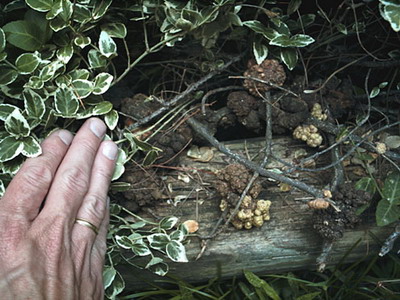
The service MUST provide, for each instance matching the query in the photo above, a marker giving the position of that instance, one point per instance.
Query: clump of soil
(139, 106)
(331, 223)
(230, 185)
(269, 70)
(145, 190)
(245, 107)
(172, 142)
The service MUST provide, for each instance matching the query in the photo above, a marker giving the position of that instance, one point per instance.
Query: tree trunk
(287, 242)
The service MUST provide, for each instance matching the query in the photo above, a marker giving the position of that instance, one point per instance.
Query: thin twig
(214, 91)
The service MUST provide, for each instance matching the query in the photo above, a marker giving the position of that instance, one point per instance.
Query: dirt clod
(269, 70)
(331, 223)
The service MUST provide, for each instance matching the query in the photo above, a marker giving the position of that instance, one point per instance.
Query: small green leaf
(160, 269)
(289, 57)
(65, 53)
(26, 63)
(66, 103)
(375, 92)
(107, 45)
(391, 188)
(96, 59)
(102, 108)
(342, 28)
(176, 251)
(118, 284)
(2, 188)
(309, 296)
(177, 235)
(82, 88)
(260, 283)
(108, 276)
(6, 110)
(116, 30)
(7, 75)
(366, 184)
(150, 158)
(382, 85)
(120, 186)
(24, 35)
(10, 147)
(298, 40)
(391, 13)
(40, 5)
(168, 222)
(3, 56)
(17, 125)
(140, 249)
(111, 119)
(260, 51)
(35, 83)
(154, 261)
(2, 40)
(258, 27)
(82, 41)
(79, 74)
(387, 212)
(55, 10)
(34, 104)
(158, 241)
(81, 14)
(119, 165)
(50, 70)
(102, 83)
(31, 147)
(100, 8)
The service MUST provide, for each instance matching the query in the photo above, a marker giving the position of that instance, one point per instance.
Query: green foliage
(390, 11)
(141, 238)
(388, 210)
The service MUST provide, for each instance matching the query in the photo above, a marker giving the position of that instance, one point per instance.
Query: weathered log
(285, 243)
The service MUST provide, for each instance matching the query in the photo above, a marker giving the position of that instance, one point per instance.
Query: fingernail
(65, 136)
(97, 127)
(110, 150)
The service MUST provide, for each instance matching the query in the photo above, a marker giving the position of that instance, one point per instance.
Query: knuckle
(38, 176)
(75, 180)
(94, 207)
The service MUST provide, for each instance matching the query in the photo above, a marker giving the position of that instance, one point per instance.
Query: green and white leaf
(391, 13)
(168, 222)
(100, 8)
(82, 41)
(298, 40)
(96, 59)
(65, 53)
(108, 276)
(111, 119)
(17, 125)
(82, 88)
(258, 27)
(40, 5)
(102, 108)
(118, 284)
(289, 57)
(81, 14)
(31, 147)
(107, 45)
(124, 241)
(7, 75)
(79, 74)
(2, 40)
(375, 92)
(6, 110)
(158, 241)
(102, 83)
(116, 30)
(140, 249)
(26, 63)
(260, 51)
(119, 165)
(10, 147)
(177, 235)
(35, 83)
(50, 70)
(366, 184)
(176, 251)
(154, 261)
(34, 104)
(2, 188)
(66, 103)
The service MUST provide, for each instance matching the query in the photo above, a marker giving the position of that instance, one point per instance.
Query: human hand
(44, 252)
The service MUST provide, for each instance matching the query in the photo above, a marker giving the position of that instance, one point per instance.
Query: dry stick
(193, 87)
(218, 90)
(201, 130)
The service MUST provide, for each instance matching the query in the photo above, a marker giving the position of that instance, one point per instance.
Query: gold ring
(87, 224)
